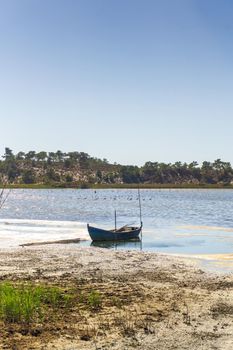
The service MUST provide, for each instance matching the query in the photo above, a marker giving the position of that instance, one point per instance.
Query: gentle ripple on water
(175, 221)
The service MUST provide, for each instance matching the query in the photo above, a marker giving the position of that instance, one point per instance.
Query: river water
(174, 221)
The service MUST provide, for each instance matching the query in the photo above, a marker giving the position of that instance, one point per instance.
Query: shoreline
(150, 301)
(116, 186)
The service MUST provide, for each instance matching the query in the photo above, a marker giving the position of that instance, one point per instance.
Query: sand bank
(151, 301)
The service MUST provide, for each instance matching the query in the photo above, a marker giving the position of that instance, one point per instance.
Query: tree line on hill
(74, 168)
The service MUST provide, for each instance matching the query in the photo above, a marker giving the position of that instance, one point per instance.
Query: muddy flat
(146, 301)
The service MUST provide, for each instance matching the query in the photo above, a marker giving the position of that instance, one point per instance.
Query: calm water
(175, 221)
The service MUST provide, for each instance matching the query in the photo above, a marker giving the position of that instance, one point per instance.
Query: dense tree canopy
(79, 167)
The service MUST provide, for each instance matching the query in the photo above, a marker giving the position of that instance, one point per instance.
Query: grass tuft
(94, 299)
(25, 303)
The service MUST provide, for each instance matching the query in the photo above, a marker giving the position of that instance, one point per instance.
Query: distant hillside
(74, 169)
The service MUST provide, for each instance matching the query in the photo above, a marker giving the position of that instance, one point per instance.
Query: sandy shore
(151, 301)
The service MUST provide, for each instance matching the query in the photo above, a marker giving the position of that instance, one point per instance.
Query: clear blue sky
(126, 80)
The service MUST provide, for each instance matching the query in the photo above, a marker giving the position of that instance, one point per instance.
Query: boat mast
(140, 212)
(115, 220)
(140, 208)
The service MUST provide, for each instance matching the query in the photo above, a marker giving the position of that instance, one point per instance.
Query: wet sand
(151, 301)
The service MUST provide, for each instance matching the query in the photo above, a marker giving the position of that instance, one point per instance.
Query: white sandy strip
(14, 231)
(228, 257)
(217, 263)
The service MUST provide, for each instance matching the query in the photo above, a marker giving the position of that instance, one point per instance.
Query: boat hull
(98, 234)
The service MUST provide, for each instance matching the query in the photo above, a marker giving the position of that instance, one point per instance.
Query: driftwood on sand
(61, 241)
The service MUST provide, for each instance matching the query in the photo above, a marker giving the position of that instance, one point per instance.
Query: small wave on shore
(14, 232)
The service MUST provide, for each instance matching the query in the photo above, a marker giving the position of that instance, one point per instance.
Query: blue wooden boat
(124, 233)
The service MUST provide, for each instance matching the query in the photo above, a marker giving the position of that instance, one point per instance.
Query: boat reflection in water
(133, 244)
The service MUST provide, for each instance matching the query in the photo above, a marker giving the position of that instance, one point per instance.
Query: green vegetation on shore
(26, 303)
(79, 170)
